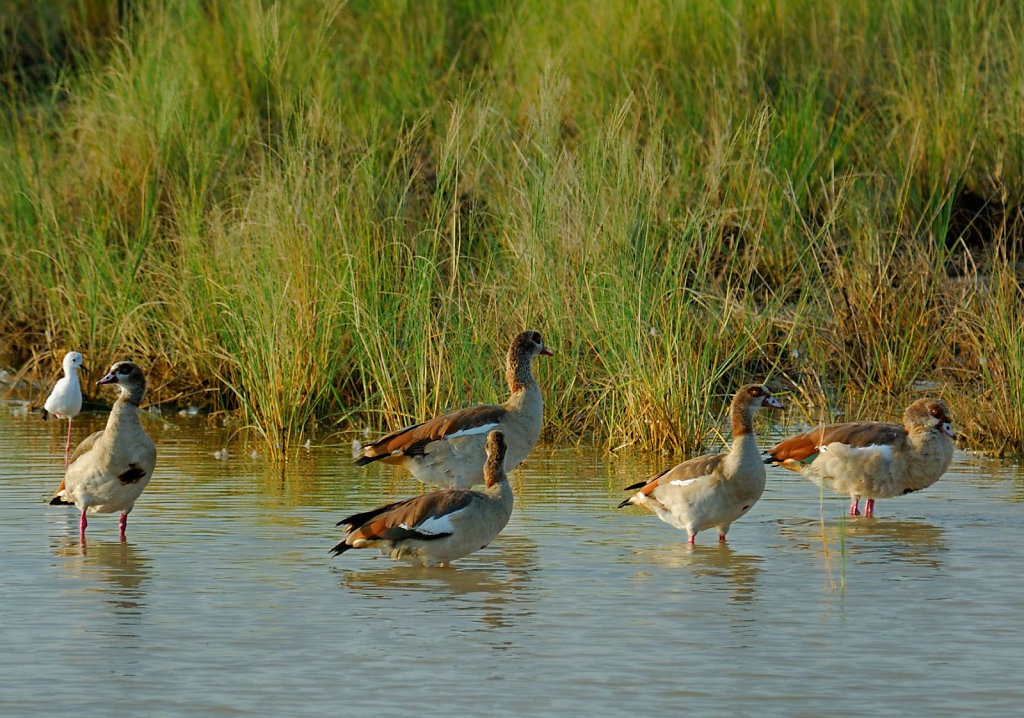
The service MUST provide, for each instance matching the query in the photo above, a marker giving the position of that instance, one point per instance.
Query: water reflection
(872, 539)
(719, 560)
(117, 571)
(485, 584)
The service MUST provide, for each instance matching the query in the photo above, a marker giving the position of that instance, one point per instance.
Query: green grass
(337, 214)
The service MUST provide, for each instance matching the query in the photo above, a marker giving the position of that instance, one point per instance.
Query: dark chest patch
(133, 473)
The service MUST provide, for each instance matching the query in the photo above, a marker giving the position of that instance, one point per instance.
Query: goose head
(521, 352)
(927, 414)
(526, 346)
(752, 397)
(746, 402)
(129, 378)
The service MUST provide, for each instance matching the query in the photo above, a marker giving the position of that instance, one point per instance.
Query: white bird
(439, 527)
(714, 489)
(110, 469)
(65, 401)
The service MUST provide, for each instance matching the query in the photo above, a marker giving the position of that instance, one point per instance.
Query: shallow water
(224, 599)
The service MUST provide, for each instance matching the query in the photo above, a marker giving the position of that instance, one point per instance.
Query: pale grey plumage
(112, 467)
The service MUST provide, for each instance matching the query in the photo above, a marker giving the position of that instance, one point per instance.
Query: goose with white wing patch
(437, 528)
(448, 450)
(110, 469)
(871, 459)
(714, 489)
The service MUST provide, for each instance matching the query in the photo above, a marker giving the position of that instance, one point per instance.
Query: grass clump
(341, 212)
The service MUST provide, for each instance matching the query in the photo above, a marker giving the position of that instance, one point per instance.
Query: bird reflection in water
(116, 570)
(489, 583)
(709, 562)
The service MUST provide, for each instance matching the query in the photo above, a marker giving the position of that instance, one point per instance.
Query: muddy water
(224, 599)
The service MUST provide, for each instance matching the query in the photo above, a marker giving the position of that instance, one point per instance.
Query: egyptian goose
(714, 489)
(439, 527)
(111, 467)
(448, 450)
(65, 401)
(871, 459)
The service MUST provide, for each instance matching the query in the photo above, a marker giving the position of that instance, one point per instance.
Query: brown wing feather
(399, 520)
(411, 439)
(691, 469)
(854, 433)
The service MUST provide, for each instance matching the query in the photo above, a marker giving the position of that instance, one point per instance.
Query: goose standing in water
(439, 527)
(871, 459)
(448, 450)
(714, 489)
(65, 401)
(110, 469)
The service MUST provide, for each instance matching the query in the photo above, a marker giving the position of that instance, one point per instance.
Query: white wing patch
(682, 482)
(435, 526)
(882, 450)
(482, 429)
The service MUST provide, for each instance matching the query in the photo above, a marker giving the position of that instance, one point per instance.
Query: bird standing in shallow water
(65, 400)
(439, 527)
(714, 489)
(448, 450)
(110, 469)
(871, 459)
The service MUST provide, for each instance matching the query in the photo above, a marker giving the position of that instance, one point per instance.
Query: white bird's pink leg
(691, 539)
(721, 537)
(81, 526)
(122, 525)
(67, 446)
(854, 509)
(869, 508)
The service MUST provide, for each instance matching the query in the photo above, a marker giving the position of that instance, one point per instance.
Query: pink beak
(546, 352)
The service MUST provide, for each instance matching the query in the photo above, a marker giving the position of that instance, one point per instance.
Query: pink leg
(854, 510)
(67, 446)
(691, 539)
(122, 525)
(869, 508)
(81, 526)
(721, 537)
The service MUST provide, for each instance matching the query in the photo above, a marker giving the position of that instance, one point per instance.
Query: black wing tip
(59, 501)
(636, 486)
(364, 459)
(341, 548)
